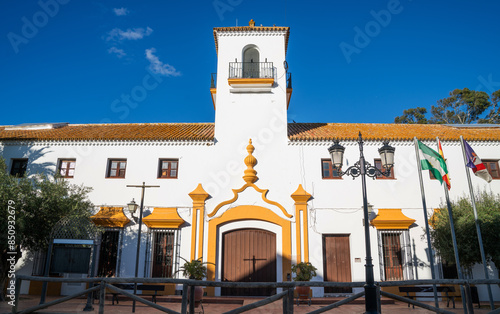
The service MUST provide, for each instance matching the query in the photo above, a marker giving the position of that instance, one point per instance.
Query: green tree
(412, 116)
(36, 203)
(464, 106)
(488, 210)
(494, 114)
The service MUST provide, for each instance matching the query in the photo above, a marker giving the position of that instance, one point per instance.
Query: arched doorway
(248, 255)
(251, 63)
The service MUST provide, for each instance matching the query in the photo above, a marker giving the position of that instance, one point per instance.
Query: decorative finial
(250, 161)
(251, 23)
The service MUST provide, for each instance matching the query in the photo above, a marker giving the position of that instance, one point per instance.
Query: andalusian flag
(432, 161)
(446, 177)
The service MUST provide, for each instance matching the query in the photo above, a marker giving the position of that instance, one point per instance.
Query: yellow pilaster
(300, 196)
(199, 196)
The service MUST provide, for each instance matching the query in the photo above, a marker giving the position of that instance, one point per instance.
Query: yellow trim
(199, 196)
(391, 218)
(288, 96)
(242, 81)
(193, 234)
(250, 177)
(248, 212)
(235, 197)
(213, 92)
(110, 217)
(163, 217)
(300, 196)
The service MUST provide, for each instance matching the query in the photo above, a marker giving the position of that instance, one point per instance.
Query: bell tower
(252, 87)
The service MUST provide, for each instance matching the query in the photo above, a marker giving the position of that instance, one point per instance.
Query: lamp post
(363, 169)
(132, 207)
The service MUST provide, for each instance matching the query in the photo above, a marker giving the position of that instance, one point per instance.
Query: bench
(441, 289)
(130, 286)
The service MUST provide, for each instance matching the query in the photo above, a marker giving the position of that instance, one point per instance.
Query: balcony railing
(251, 70)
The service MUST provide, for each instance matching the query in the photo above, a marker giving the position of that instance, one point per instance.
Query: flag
(446, 177)
(432, 161)
(474, 162)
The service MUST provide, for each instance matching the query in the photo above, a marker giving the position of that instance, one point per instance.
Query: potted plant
(303, 272)
(196, 270)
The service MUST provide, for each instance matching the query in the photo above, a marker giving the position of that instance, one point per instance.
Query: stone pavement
(125, 306)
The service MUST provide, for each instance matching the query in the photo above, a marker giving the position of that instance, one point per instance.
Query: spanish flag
(446, 177)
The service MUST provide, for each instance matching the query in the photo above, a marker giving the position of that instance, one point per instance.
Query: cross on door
(254, 261)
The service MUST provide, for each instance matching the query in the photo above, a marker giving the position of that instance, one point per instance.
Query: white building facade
(251, 209)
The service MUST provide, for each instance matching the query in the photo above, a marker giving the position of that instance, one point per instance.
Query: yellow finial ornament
(250, 161)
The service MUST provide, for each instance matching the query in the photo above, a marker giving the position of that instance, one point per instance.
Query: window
(492, 166)
(67, 168)
(116, 168)
(19, 166)
(327, 170)
(168, 168)
(378, 165)
(394, 255)
(161, 252)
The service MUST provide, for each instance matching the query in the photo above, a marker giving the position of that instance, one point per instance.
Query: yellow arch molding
(235, 197)
(248, 212)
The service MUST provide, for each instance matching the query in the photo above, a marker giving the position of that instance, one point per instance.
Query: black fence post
(470, 307)
(184, 298)
(191, 299)
(16, 295)
(379, 303)
(290, 300)
(285, 303)
(102, 297)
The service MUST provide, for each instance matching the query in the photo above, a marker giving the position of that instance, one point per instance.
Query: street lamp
(363, 169)
(132, 207)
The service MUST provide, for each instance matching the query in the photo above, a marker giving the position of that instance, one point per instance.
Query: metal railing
(287, 295)
(251, 70)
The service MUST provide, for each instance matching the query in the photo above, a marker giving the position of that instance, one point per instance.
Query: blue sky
(351, 61)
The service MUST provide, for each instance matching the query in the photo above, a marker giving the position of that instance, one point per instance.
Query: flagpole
(455, 248)
(478, 228)
(426, 219)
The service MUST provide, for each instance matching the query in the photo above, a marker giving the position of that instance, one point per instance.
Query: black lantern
(387, 155)
(336, 154)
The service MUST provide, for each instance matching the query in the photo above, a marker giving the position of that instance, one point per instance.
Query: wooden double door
(248, 255)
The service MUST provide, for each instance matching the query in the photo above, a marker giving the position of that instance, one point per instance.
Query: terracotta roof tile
(251, 29)
(349, 131)
(132, 131)
(296, 132)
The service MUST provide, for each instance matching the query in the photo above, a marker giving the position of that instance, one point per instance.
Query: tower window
(251, 66)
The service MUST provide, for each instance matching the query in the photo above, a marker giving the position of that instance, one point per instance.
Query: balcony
(251, 74)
